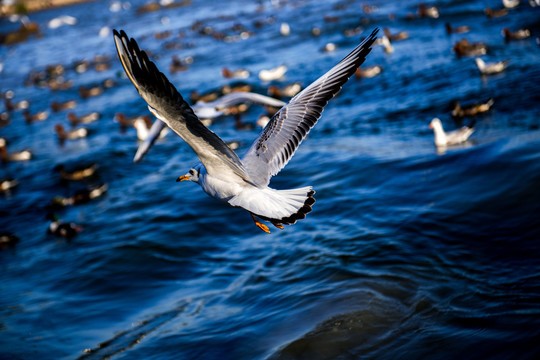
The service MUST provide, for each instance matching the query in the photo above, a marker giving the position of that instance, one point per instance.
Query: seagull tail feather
(300, 200)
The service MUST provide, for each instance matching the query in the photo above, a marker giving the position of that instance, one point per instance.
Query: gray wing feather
(167, 104)
(277, 143)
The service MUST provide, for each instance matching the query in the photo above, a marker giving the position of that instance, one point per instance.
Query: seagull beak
(182, 178)
(431, 126)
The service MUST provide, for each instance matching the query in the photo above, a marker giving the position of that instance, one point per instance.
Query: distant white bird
(221, 173)
(273, 74)
(492, 67)
(509, 4)
(61, 21)
(285, 29)
(144, 129)
(385, 42)
(451, 138)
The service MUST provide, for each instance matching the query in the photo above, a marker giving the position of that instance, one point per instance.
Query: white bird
(509, 4)
(455, 137)
(61, 21)
(273, 74)
(207, 110)
(221, 173)
(144, 129)
(491, 68)
(385, 42)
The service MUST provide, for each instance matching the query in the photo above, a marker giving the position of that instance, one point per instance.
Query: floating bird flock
(221, 173)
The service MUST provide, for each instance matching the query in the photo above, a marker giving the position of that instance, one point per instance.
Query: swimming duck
(6, 184)
(102, 66)
(236, 74)
(368, 9)
(80, 197)
(39, 116)
(456, 30)
(491, 68)
(83, 119)
(108, 83)
(162, 35)
(235, 87)
(81, 66)
(76, 174)
(62, 229)
(287, 91)
(273, 74)
(451, 138)
(464, 48)
(60, 106)
(368, 71)
(400, 36)
(69, 135)
(7, 240)
(425, 11)
(4, 119)
(86, 93)
(515, 35)
(353, 32)
(59, 83)
(490, 13)
(178, 64)
(126, 122)
(459, 111)
(12, 106)
(16, 156)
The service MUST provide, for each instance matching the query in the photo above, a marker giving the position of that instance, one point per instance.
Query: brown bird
(60, 106)
(515, 35)
(456, 30)
(460, 111)
(83, 119)
(63, 134)
(39, 116)
(23, 155)
(464, 48)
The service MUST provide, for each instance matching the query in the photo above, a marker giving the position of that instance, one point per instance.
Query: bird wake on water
(221, 173)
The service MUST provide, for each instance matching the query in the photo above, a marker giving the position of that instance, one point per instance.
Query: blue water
(409, 252)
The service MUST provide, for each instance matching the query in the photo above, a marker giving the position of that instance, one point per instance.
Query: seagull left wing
(277, 143)
(166, 103)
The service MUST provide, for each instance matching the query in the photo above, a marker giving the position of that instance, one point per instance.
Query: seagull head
(194, 174)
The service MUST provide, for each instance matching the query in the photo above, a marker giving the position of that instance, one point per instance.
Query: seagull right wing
(277, 143)
(166, 103)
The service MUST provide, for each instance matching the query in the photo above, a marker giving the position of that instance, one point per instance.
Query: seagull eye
(192, 172)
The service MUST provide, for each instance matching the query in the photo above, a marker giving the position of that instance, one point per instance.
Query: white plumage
(455, 137)
(221, 173)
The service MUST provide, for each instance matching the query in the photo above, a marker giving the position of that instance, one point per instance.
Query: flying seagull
(221, 173)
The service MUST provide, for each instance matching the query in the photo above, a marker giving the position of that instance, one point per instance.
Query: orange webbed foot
(261, 225)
